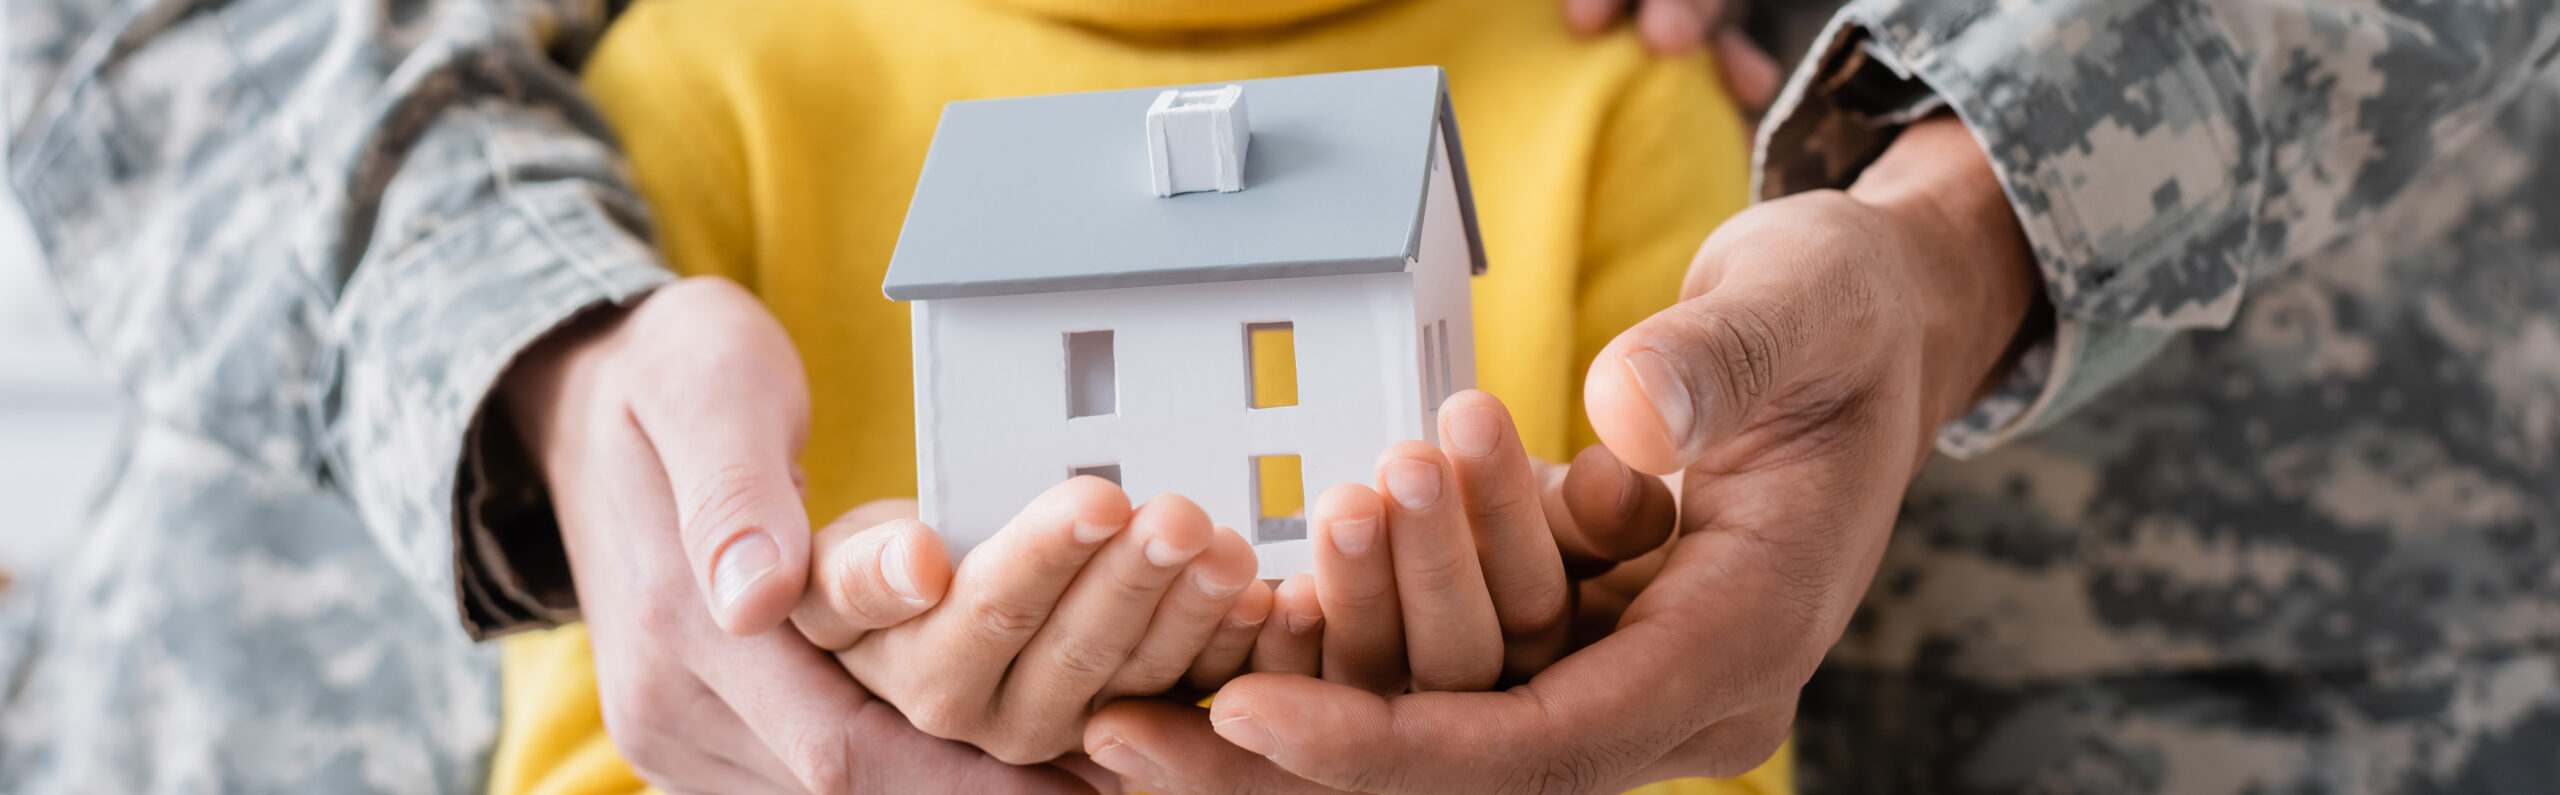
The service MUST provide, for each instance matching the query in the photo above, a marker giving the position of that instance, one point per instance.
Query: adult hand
(1820, 342)
(667, 433)
(1678, 27)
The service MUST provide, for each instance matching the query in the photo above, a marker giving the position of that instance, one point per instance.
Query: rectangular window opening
(1110, 472)
(1271, 365)
(1093, 388)
(1447, 385)
(1430, 371)
(1279, 499)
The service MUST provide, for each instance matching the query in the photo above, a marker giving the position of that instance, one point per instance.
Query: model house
(1236, 293)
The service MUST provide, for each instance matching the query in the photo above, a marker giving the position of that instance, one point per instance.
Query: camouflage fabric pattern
(2483, 725)
(2290, 519)
(305, 238)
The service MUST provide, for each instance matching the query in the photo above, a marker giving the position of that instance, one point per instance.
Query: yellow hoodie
(777, 142)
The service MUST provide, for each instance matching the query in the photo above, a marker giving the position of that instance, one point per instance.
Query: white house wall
(1442, 293)
(991, 412)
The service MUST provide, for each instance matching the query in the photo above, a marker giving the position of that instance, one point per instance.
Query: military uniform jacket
(2301, 408)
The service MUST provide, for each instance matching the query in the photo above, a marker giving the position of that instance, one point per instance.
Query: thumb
(724, 404)
(1162, 745)
(870, 577)
(1694, 375)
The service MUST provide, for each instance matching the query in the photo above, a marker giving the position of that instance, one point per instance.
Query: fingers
(1453, 640)
(641, 692)
(1225, 655)
(1009, 585)
(868, 578)
(1677, 27)
(1127, 735)
(1523, 572)
(1589, 17)
(1750, 75)
(1694, 375)
(1104, 613)
(726, 408)
(1601, 726)
(1292, 640)
(1094, 777)
(1191, 613)
(1617, 513)
(1355, 588)
(1348, 739)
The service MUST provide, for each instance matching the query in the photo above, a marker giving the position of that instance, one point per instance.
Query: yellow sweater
(777, 143)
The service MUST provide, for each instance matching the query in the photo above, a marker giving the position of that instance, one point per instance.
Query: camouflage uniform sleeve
(2160, 154)
(317, 233)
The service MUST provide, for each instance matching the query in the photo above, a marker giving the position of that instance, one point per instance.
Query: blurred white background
(58, 417)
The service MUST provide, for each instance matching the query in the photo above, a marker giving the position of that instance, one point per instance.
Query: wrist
(1971, 277)
(548, 375)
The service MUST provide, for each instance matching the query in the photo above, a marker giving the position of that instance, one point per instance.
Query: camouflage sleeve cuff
(440, 479)
(2124, 269)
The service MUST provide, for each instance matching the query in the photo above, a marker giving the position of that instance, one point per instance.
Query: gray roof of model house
(1052, 193)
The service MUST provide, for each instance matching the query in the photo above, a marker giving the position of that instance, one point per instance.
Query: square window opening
(1093, 388)
(1271, 365)
(1279, 499)
(1110, 472)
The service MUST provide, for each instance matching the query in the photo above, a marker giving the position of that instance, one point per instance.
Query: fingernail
(1667, 391)
(1352, 537)
(1302, 623)
(1164, 553)
(1126, 761)
(1474, 432)
(745, 562)
(1095, 533)
(1416, 485)
(893, 569)
(1215, 589)
(1248, 734)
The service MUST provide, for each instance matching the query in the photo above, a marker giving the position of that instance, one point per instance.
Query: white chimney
(1196, 141)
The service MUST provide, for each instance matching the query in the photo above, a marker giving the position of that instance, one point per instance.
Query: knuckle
(1362, 599)
(1501, 501)
(1436, 576)
(943, 716)
(1056, 553)
(719, 500)
(1086, 661)
(857, 596)
(1531, 606)
(1019, 751)
(995, 618)
(661, 614)
(1581, 768)
(1576, 771)
(1742, 342)
(822, 759)
(1128, 585)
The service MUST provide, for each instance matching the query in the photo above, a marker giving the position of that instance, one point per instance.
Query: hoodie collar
(1157, 16)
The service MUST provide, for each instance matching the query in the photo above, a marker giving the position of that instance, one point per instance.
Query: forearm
(2158, 156)
(319, 256)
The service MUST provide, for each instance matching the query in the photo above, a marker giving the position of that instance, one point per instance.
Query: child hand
(1078, 600)
(1453, 573)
